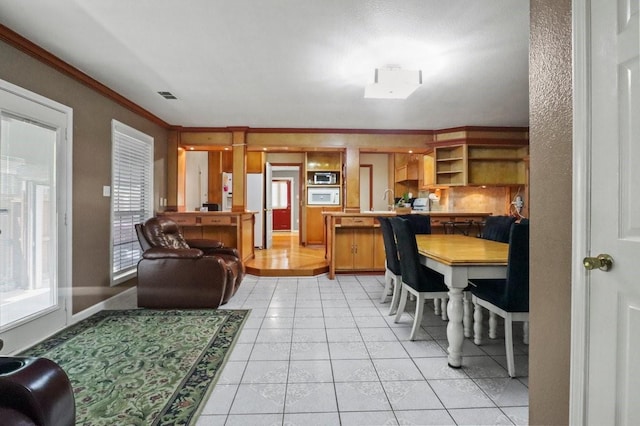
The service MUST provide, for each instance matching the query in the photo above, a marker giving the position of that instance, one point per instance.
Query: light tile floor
(316, 351)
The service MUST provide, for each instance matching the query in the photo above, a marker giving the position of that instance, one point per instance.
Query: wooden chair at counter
(392, 274)
(417, 279)
(507, 297)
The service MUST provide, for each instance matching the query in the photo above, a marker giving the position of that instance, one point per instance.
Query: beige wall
(550, 103)
(92, 114)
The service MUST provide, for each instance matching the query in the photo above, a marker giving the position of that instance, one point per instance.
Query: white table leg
(455, 334)
(467, 321)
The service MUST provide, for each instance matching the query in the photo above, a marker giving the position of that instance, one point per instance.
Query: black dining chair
(420, 223)
(417, 279)
(508, 297)
(496, 228)
(392, 278)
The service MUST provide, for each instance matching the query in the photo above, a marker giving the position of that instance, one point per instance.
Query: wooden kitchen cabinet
(354, 249)
(468, 164)
(316, 229)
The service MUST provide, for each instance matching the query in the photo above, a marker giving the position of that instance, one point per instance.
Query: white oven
(323, 196)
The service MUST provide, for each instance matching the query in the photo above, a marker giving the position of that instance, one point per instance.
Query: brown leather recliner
(35, 391)
(163, 234)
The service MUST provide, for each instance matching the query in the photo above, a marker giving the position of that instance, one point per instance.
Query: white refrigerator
(255, 203)
(227, 191)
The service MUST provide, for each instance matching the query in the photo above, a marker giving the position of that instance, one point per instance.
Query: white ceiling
(294, 63)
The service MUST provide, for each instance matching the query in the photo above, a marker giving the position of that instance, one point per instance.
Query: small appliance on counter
(421, 205)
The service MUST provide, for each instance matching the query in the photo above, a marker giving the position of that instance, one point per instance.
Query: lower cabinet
(358, 248)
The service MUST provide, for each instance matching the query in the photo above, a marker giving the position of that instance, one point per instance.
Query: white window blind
(131, 196)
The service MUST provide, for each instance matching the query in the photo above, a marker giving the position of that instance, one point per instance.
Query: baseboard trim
(99, 306)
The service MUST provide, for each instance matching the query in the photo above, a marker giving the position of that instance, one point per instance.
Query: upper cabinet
(478, 156)
(324, 168)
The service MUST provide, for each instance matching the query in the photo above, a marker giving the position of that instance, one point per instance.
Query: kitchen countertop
(393, 213)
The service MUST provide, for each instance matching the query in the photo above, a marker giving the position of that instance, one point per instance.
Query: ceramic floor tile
(274, 335)
(308, 322)
(270, 352)
(379, 350)
(277, 322)
(468, 347)
(248, 335)
(397, 369)
(308, 313)
(480, 416)
(505, 392)
(241, 352)
(403, 333)
(368, 418)
(354, 370)
(423, 348)
(407, 395)
(343, 335)
(371, 322)
(339, 322)
(266, 372)
(254, 420)
(518, 415)
(365, 312)
(378, 335)
(348, 350)
(309, 350)
(216, 420)
(483, 367)
(336, 312)
(232, 373)
(311, 419)
(438, 368)
(309, 335)
(361, 396)
(220, 400)
(460, 393)
(259, 399)
(521, 362)
(310, 397)
(280, 312)
(308, 304)
(424, 417)
(310, 371)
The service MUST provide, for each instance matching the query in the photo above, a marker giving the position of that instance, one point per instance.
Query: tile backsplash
(493, 200)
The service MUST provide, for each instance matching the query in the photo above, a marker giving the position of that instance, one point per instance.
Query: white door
(268, 207)
(34, 205)
(606, 317)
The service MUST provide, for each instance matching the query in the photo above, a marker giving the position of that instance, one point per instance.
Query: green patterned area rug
(143, 367)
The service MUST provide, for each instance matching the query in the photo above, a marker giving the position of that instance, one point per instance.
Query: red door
(281, 205)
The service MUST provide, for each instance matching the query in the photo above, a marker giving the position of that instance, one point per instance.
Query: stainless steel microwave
(323, 196)
(324, 178)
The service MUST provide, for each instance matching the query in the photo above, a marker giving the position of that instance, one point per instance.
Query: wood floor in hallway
(287, 257)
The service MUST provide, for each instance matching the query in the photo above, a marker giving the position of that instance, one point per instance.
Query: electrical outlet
(518, 202)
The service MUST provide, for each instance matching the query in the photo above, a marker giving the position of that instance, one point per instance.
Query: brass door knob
(604, 262)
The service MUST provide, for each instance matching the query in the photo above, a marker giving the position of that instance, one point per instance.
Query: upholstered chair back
(163, 232)
(390, 248)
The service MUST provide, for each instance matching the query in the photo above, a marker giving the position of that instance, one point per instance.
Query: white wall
(196, 179)
(380, 164)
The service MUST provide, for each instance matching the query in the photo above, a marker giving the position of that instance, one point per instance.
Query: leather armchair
(162, 240)
(35, 391)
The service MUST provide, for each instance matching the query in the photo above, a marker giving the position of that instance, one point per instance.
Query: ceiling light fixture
(393, 83)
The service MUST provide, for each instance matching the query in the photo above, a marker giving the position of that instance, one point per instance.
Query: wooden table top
(462, 250)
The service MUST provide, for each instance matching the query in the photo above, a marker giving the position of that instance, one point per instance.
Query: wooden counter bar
(234, 229)
(355, 244)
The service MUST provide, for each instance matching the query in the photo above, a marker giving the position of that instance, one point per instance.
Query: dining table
(459, 258)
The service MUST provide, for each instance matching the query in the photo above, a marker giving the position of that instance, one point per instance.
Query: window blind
(131, 196)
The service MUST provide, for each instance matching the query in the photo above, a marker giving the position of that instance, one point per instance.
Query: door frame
(301, 198)
(64, 204)
(581, 199)
(289, 196)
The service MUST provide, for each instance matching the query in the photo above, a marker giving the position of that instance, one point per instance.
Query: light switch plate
(106, 191)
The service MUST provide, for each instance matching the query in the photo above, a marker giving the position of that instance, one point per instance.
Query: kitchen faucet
(391, 199)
